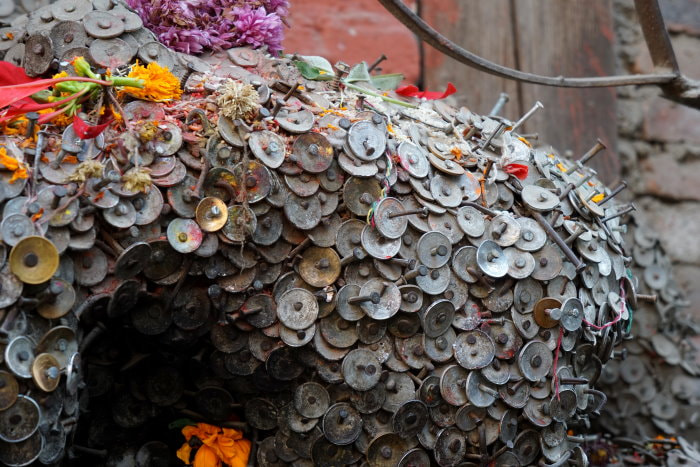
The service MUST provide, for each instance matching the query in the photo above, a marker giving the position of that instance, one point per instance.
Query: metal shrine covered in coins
(346, 277)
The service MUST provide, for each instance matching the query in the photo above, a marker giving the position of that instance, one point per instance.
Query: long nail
(502, 100)
(553, 235)
(614, 193)
(538, 105)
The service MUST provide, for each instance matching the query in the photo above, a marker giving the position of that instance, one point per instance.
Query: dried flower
(238, 100)
(160, 84)
(87, 169)
(258, 28)
(137, 179)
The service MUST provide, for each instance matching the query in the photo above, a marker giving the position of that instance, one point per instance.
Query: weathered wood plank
(561, 37)
(549, 37)
(480, 26)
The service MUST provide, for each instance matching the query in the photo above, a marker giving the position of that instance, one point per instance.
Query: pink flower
(256, 27)
(193, 26)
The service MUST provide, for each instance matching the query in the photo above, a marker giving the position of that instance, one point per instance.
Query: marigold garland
(160, 85)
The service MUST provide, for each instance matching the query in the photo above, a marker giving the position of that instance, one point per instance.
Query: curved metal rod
(429, 35)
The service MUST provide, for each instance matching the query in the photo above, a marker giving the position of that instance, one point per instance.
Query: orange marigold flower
(19, 170)
(160, 84)
(219, 445)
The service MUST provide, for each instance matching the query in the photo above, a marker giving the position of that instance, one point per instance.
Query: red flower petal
(413, 91)
(519, 170)
(86, 131)
(11, 74)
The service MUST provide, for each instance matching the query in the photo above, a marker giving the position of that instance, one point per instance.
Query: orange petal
(206, 457)
(184, 453)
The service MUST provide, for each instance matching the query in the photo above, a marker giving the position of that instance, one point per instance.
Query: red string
(556, 359)
(561, 334)
(619, 315)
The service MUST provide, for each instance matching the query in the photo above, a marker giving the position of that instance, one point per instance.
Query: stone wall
(659, 141)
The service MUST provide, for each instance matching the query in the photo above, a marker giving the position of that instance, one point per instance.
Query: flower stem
(384, 98)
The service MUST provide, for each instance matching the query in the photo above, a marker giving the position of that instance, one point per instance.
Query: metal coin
(297, 309)
(33, 260)
(304, 213)
(184, 235)
(474, 349)
(413, 159)
(314, 152)
(102, 25)
(539, 199)
(491, 259)
(366, 141)
(535, 360)
(434, 249)
(38, 55)
(386, 220)
(240, 223)
(111, 53)
(389, 299)
(296, 122)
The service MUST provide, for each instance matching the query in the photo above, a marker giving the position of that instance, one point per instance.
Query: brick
(664, 176)
(678, 226)
(352, 32)
(667, 121)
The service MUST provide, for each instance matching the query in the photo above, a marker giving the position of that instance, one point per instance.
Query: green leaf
(387, 82)
(312, 73)
(359, 72)
(319, 63)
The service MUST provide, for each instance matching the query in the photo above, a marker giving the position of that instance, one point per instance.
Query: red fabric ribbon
(413, 91)
(84, 130)
(519, 170)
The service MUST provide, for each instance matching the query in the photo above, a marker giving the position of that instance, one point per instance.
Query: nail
(376, 63)
(189, 69)
(614, 193)
(276, 109)
(111, 177)
(538, 105)
(374, 297)
(358, 254)
(620, 213)
(513, 389)
(33, 118)
(490, 391)
(579, 231)
(410, 263)
(423, 212)
(500, 103)
(94, 333)
(421, 270)
(292, 90)
(599, 146)
(496, 132)
(573, 381)
(578, 264)
(646, 298)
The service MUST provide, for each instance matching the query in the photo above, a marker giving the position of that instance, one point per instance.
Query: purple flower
(193, 26)
(281, 7)
(257, 28)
